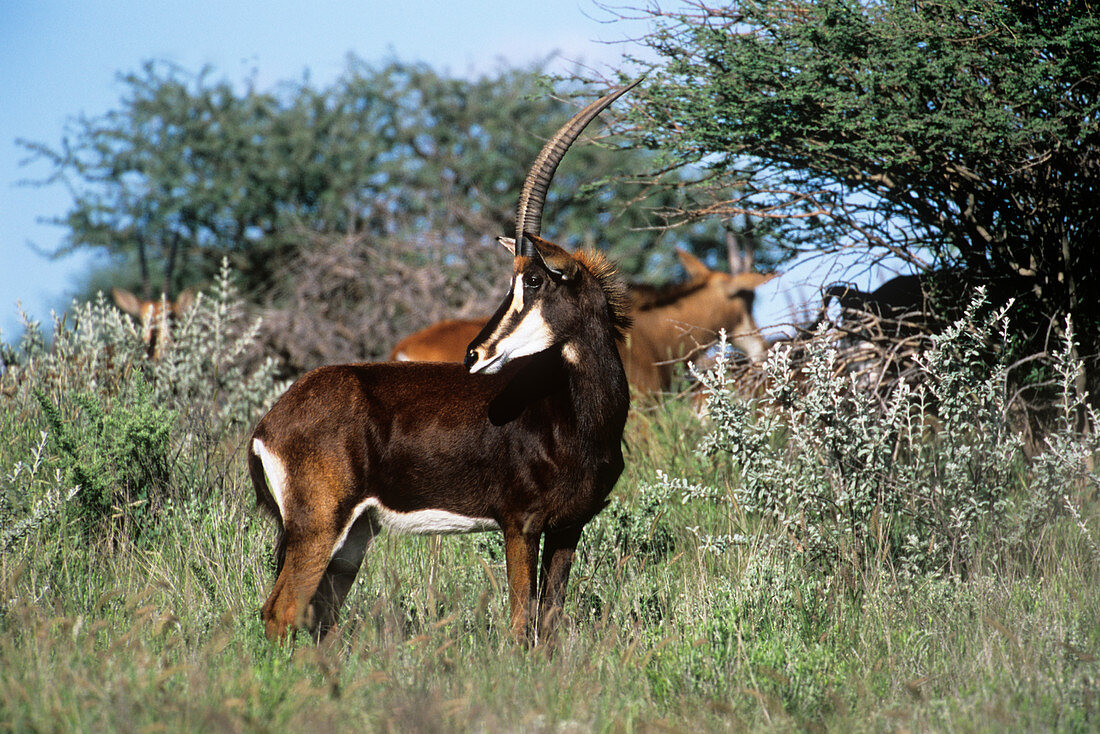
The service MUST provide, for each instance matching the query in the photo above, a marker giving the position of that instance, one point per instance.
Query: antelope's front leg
(521, 552)
(557, 560)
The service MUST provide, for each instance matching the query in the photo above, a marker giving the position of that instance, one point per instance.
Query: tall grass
(775, 588)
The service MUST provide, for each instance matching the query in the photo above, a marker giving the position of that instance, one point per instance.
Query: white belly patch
(430, 522)
(417, 522)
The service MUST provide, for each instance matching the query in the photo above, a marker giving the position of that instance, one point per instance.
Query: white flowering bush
(920, 483)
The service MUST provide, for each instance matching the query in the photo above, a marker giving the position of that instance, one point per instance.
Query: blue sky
(59, 60)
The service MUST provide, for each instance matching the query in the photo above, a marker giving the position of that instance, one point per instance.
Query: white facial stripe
(275, 471)
(517, 295)
(515, 308)
(530, 336)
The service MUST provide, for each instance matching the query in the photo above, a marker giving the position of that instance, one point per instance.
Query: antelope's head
(556, 299)
(550, 287)
(725, 300)
(154, 316)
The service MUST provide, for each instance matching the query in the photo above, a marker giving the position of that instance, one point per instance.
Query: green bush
(116, 449)
(120, 439)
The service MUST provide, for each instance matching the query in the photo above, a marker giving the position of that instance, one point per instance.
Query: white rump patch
(275, 471)
(401, 357)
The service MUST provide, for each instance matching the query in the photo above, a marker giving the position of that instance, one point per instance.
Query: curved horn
(533, 194)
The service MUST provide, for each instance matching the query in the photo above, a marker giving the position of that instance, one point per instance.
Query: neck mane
(594, 371)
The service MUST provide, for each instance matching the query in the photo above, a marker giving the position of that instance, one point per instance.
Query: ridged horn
(533, 194)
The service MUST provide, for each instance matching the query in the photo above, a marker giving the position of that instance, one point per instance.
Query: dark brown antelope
(899, 306)
(525, 438)
(155, 317)
(670, 325)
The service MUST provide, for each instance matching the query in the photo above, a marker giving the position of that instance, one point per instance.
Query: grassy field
(137, 610)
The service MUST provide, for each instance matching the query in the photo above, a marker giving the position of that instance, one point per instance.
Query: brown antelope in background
(443, 341)
(675, 323)
(671, 323)
(529, 446)
(155, 317)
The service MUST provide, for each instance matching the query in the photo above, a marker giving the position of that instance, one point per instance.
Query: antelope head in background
(155, 317)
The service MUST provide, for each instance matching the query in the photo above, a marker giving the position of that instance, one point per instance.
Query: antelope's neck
(599, 390)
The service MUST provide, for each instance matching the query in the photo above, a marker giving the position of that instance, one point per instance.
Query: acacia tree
(954, 133)
(190, 168)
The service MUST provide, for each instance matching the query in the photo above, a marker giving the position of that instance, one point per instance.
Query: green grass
(163, 634)
(146, 617)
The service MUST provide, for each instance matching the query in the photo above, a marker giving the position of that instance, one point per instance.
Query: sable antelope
(155, 316)
(669, 325)
(892, 298)
(524, 438)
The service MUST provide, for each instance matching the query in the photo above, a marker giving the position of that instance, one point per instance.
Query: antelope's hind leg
(304, 562)
(321, 558)
(341, 572)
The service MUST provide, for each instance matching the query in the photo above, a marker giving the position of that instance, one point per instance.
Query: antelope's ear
(692, 265)
(560, 263)
(127, 301)
(758, 279)
(509, 244)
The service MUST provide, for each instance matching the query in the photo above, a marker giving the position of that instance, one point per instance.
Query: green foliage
(963, 130)
(121, 440)
(210, 368)
(48, 503)
(117, 454)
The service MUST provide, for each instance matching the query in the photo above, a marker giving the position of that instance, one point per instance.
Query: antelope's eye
(532, 280)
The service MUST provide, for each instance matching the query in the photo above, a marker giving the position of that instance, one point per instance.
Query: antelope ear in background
(127, 301)
(692, 265)
(747, 283)
(509, 244)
